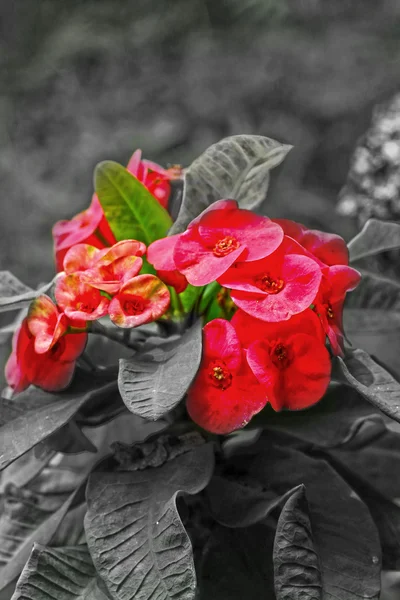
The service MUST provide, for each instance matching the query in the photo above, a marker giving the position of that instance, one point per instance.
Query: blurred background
(87, 80)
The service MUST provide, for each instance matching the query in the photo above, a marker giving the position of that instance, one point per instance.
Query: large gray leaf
(237, 167)
(22, 524)
(64, 573)
(372, 381)
(239, 503)
(376, 236)
(134, 532)
(33, 415)
(237, 564)
(345, 536)
(375, 292)
(330, 423)
(155, 383)
(372, 318)
(368, 463)
(296, 565)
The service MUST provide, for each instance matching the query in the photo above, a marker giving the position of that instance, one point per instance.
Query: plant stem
(113, 334)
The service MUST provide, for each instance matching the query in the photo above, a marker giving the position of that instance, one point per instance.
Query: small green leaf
(134, 532)
(237, 167)
(62, 573)
(375, 237)
(131, 210)
(372, 381)
(296, 564)
(154, 384)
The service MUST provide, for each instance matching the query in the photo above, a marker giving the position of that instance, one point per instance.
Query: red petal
(259, 234)
(141, 300)
(197, 262)
(221, 342)
(249, 329)
(222, 411)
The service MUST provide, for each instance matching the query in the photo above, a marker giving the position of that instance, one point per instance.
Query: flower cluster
(280, 287)
(91, 226)
(289, 284)
(98, 277)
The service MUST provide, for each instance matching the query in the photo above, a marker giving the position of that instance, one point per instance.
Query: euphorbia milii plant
(203, 357)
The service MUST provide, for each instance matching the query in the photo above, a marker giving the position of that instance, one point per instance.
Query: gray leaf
(65, 574)
(14, 294)
(134, 532)
(237, 167)
(376, 236)
(34, 415)
(372, 381)
(296, 566)
(154, 384)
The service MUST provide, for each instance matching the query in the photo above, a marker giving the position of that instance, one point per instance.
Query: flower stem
(113, 334)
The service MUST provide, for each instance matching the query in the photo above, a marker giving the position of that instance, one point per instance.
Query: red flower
(329, 248)
(89, 227)
(153, 176)
(81, 257)
(160, 255)
(45, 323)
(277, 287)
(51, 370)
(336, 282)
(141, 300)
(220, 236)
(79, 300)
(113, 267)
(288, 358)
(225, 394)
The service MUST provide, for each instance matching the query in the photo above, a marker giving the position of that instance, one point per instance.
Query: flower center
(219, 375)
(56, 351)
(329, 312)
(267, 284)
(85, 305)
(280, 356)
(225, 246)
(135, 305)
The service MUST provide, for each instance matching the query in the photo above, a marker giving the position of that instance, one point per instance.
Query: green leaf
(14, 294)
(237, 167)
(372, 381)
(131, 210)
(34, 415)
(154, 384)
(241, 503)
(375, 237)
(296, 564)
(345, 537)
(64, 573)
(134, 532)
